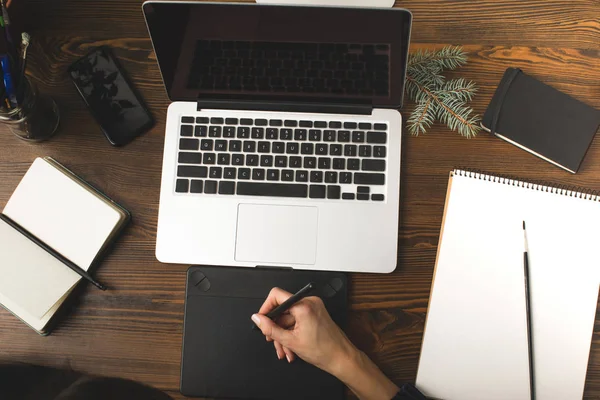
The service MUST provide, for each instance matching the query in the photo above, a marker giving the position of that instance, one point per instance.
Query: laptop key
(261, 122)
(346, 177)
(380, 127)
(246, 121)
(317, 191)
(258, 174)
(272, 133)
(306, 124)
(264, 147)
(286, 134)
(292, 148)
(335, 150)
(244, 173)
(201, 131)
(373, 165)
(214, 131)
(226, 187)
(209, 158)
(365, 126)
(287, 175)
(348, 196)
(358, 137)
(335, 124)
(223, 158)
(307, 148)
(321, 149)
(273, 175)
(377, 137)
(324, 163)
(350, 150)
(281, 161)
(229, 132)
(333, 192)
(210, 187)
(362, 196)
(331, 177)
(353, 164)
(237, 159)
(300, 135)
(249, 146)
(206, 144)
(364, 151)
(291, 123)
(187, 130)
(243, 132)
(215, 173)
(276, 122)
(278, 147)
(252, 160)
(339, 163)
(301, 176)
(221, 145)
(379, 151)
(187, 120)
(314, 135)
(369, 179)
(233, 121)
(295, 162)
(229, 173)
(266, 161)
(350, 125)
(320, 124)
(189, 158)
(377, 197)
(197, 186)
(216, 120)
(189, 144)
(316, 176)
(310, 162)
(363, 189)
(182, 186)
(272, 189)
(329, 136)
(344, 136)
(258, 133)
(235, 145)
(202, 120)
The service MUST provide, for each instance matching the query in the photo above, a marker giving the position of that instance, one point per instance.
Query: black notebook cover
(541, 120)
(223, 357)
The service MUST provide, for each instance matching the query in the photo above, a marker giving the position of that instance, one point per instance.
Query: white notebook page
(565, 278)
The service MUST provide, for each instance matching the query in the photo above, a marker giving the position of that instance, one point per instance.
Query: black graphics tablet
(223, 357)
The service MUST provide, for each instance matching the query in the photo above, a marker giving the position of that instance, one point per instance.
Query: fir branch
(422, 117)
(448, 58)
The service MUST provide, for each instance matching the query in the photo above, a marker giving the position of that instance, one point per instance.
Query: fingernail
(278, 355)
(256, 320)
(288, 358)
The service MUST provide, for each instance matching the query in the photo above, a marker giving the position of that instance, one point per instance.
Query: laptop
(283, 141)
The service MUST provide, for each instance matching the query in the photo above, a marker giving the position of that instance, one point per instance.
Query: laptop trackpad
(276, 234)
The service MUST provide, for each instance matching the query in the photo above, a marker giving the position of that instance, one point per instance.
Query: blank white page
(475, 342)
(565, 277)
(30, 277)
(61, 213)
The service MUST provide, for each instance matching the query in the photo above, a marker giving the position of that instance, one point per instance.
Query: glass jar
(35, 119)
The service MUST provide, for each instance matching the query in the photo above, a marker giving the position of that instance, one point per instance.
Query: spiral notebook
(475, 340)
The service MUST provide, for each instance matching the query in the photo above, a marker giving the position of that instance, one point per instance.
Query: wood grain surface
(134, 330)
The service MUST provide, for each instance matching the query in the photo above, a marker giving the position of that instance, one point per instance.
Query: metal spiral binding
(543, 186)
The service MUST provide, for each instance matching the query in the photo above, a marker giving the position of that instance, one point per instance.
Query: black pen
(79, 271)
(528, 307)
(286, 305)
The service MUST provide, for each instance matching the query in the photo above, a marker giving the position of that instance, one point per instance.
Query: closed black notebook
(541, 120)
(223, 357)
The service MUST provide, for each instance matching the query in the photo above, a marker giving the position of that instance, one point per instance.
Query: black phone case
(223, 357)
(112, 138)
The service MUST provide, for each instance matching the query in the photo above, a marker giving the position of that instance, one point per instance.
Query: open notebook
(68, 215)
(475, 340)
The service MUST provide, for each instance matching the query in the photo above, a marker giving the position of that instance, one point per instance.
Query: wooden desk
(134, 331)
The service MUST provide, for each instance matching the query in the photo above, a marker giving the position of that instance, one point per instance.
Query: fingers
(279, 349)
(271, 330)
(275, 298)
(289, 354)
(286, 321)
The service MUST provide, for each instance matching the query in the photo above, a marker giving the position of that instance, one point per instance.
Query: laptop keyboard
(335, 160)
(317, 68)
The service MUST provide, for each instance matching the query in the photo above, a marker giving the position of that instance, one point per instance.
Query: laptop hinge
(327, 108)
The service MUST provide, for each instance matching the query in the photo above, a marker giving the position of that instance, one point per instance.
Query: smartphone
(111, 98)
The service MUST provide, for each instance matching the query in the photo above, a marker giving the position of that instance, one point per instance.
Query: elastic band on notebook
(509, 80)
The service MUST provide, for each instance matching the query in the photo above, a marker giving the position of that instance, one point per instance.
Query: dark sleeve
(409, 392)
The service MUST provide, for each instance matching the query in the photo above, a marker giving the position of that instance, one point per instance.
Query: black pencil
(79, 271)
(528, 307)
(286, 305)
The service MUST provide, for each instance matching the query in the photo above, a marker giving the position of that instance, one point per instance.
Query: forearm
(365, 379)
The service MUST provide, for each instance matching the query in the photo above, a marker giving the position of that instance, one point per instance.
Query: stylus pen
(528, 308)
(52, 252)
(289, 303)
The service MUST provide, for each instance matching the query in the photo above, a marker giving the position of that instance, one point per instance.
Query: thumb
(271, 329)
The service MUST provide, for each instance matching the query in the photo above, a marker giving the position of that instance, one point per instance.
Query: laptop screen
(256, 52)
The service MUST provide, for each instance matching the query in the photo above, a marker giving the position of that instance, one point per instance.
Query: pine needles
(436, 98)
